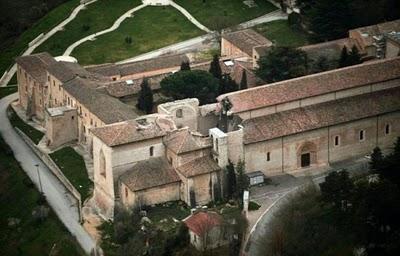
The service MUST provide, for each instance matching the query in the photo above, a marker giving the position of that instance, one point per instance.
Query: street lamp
(40, 182)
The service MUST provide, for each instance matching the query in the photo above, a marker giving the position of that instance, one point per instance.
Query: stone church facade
(299, 126)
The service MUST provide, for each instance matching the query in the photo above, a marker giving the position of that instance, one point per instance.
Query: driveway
(58, 197)
(273, 196)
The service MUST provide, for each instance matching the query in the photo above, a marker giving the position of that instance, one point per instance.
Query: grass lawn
(31, 132)
(218, 14)
(73, 167)
(150, 28)
(14, 48)
(281, 34)
(5, 91)
(96, 17)
(18, 198)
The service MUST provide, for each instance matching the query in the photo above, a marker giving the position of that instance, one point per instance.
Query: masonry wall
(61, 129)
(230, 50)
(285, 152)
(151, 196)
(104, 195)
(392, 49)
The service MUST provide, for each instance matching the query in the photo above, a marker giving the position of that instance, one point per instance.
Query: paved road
(272, 16)
(275, 196)
(46, 36)
(62, 203)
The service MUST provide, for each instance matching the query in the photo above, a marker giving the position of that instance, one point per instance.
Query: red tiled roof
(198, 166)
(313, 85)
(202, 222)
(246, 40)
(321, 115)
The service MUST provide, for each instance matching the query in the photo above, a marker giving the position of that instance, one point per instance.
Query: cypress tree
(230, 180)
(145, 100)
(243, 82)
(215, 68)
(354, 56)
(376, 160)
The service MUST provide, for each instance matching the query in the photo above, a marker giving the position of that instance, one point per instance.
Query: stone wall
(61, 126)
(183, 112)
(285, 153)
(230, 50)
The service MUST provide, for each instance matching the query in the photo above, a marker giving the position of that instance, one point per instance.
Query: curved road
(63, 205)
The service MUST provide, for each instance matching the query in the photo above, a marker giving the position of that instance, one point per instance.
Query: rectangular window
(337, 141)
(54, 83)
(126, 192)
(269, 156)
(305, 160)
(361, 135)
(387, 129)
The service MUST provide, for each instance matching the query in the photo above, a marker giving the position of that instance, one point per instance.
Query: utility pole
(40, 182)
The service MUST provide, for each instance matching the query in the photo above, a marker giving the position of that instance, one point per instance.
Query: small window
(268, 156)
(179, 113)
(48, 78)
(387, 129)
(361, 135)
(54, 83)
(151, 151)
(114, 78)
(337, 141)
(91, 121)
(84, 129)
(72, 117)
(59, 87)
(126, 192)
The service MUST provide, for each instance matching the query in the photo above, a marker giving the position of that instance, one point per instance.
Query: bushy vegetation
(330, 20)
(253, 206)
(21, 232)
(347, 214)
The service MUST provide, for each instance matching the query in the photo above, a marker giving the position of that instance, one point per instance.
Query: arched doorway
(307, 155)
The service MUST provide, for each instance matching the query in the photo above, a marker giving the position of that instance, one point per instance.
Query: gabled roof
(106, 108)
(149, 173)
(199, 166)
(321, 115)
(36, 65)
(313, 85)
(138, 67)
(202, 222)
(128, 132)
(182, 141)
(246, 40)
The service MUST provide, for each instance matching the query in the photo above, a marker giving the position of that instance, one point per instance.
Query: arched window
(361, 135)
(151, 151)
(102, 164)
(179, 113)
(268, 156)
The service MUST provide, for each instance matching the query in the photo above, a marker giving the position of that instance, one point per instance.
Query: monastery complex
(299, 126)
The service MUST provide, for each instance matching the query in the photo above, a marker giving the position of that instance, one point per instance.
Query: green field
(96, 17)
(73, 167)
(281, 34)
(45, 24)
(150, 28)
(31, 132)
(18, 198)
(220, 14)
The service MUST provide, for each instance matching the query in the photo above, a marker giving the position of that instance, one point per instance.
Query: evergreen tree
(243, 81)
(376, 160)
(185, 65)
(281, 63)
(145, 100)
(227, 85)
(242, 182)
(337, 189)
(230, 180)
(215, 68)
(321, 65)
(344, 58)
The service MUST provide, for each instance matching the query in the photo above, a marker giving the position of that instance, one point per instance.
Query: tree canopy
(191, 84)
(281, 63)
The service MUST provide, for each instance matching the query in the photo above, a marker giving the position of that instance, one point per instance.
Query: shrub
(253, 206)
(294, 20)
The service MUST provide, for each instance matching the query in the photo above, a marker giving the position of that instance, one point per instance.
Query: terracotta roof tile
(246, 40)
(36, 65)
(202, 222)
(313, 85)
(129, 131)
(149, 173)
(321, 115)
(182, 141)
(199, 166)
